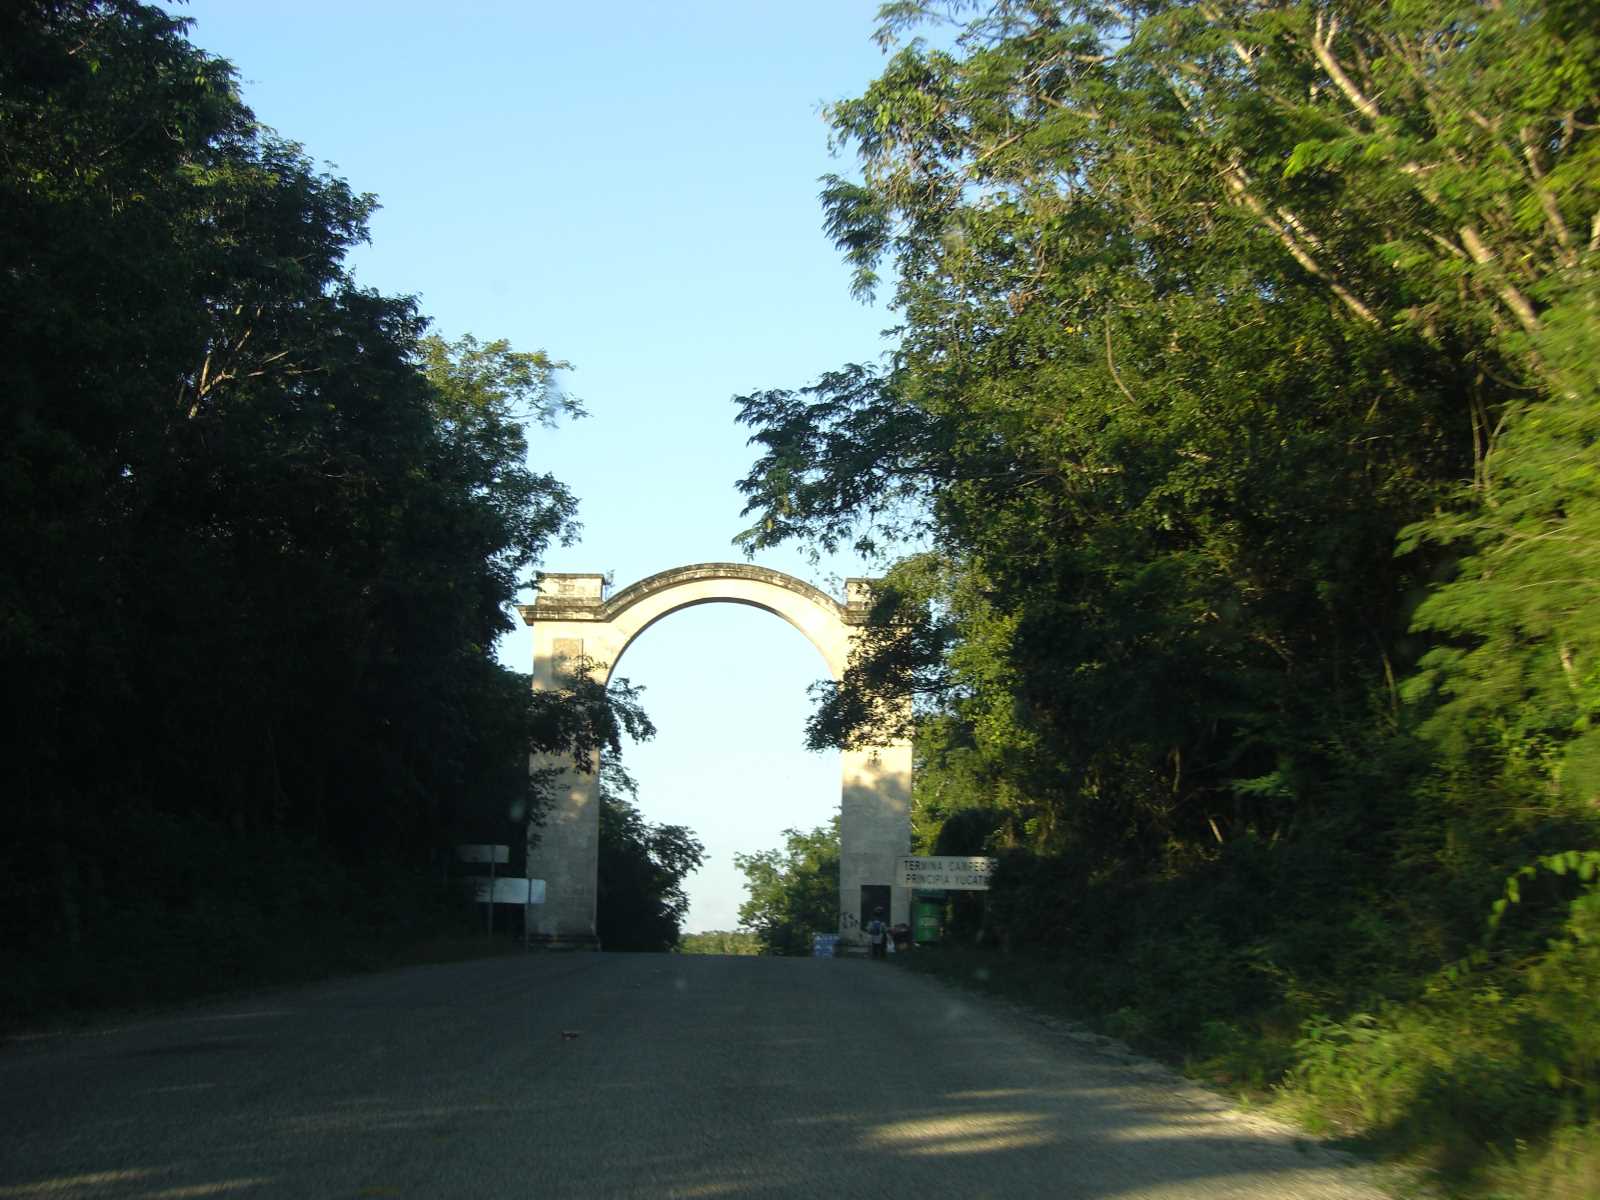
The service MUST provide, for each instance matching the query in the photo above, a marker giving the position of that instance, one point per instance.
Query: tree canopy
(1223, 389)
(259, 529)
(1234, 468)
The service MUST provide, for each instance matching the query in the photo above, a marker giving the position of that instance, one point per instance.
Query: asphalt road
(624, 1075)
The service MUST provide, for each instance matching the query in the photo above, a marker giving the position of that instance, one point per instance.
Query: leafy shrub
(1499, 1053)
(185, 907)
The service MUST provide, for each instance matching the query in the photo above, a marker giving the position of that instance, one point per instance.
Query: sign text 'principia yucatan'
(957, 874)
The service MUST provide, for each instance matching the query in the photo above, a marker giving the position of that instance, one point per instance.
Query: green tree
(259, 532)
(1243, 415)
(1192, 330)
(793, 892)
(642, 867)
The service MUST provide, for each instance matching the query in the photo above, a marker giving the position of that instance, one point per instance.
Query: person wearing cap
(877, 935)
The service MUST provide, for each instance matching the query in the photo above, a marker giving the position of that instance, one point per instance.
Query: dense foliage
(258, 529)
(1243, 425)
(642, 867)
(793, 892)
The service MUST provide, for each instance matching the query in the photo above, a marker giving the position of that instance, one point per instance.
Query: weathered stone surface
(573, 621)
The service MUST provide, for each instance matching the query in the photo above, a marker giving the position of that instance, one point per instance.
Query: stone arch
(821, 619)
(574, 622)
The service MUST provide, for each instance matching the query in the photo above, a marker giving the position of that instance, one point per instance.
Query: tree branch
(1111, 364)
(1320, 46)
(1285, 235)
(1514, 299)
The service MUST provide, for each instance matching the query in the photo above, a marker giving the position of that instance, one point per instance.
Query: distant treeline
(720, 941)
(1247, 389)
(259, 532)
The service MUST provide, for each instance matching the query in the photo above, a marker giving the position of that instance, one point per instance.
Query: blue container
(824, 945)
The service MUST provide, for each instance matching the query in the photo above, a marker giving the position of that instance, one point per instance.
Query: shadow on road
(630, 1076)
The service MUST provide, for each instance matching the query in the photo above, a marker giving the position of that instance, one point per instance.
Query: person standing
(877, 935)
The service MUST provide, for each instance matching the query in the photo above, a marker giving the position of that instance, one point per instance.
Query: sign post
(507, 889)
(483, 854)
(490, 855)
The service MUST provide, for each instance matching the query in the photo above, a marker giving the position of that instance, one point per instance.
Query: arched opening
(727, 688)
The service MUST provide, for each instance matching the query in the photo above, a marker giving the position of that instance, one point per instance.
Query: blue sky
(631, 187)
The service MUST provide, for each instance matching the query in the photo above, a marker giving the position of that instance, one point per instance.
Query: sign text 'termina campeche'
(955, 874)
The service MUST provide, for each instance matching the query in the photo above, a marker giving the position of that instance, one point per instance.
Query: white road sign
(506, 891)
(484, 854)
(945, 871)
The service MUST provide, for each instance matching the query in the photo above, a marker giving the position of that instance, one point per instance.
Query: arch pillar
(575, 627)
